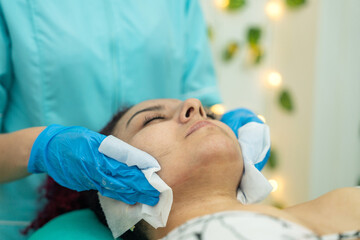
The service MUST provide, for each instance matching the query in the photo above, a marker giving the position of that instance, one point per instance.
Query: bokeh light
(274, 9)
(274, 79)
(218, 109)
(262, 118)
(222, 4)
(274, 184)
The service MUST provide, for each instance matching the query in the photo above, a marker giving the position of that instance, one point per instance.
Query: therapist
(74, 63)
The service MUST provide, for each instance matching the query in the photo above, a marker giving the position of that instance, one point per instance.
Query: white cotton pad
(121, 216)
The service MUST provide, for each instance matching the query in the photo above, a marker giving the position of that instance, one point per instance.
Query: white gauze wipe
(254, 139)
(121, 216)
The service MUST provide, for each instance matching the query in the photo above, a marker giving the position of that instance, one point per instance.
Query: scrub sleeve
(10, 222)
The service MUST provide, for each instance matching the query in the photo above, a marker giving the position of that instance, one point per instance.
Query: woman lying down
(203, 166)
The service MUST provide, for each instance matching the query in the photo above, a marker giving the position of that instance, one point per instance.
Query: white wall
(239, 83)
(317, 50)
(294, 40)
(335, 156)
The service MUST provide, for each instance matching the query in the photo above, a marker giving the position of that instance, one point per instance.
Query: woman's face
(181, 137)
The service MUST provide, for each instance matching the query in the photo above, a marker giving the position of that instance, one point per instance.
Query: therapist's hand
(237, 118)
(70, 156)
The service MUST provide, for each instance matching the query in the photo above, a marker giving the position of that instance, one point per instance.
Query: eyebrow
(152, 108)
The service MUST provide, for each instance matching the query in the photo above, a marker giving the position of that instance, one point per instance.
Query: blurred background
(297, 64)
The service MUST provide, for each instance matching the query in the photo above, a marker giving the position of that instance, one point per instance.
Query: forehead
(166, 102)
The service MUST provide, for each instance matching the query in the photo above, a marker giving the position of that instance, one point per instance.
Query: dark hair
(60, 200)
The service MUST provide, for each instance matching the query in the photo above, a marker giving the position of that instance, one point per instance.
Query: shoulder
(338, 198)
(349, 196)
(346, 191)
(336, 211)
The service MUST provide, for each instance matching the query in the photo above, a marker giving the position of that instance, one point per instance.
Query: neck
(205, 190)
(185, 208)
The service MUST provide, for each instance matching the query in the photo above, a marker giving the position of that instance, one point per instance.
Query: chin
(207, 153)
(216, 146)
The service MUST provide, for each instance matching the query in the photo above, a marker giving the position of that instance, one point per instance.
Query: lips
(197, 126)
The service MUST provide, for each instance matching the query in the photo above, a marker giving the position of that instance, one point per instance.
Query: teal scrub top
(76, 62)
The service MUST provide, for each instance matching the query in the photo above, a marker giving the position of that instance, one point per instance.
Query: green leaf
(258, 53)
(236, 4)
(230, 51)
(285, 101)
(273, 161)
(295, 3)
(254, 35)
(255, 54)
(259, 58)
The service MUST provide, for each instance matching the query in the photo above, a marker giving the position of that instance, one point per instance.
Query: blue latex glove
(70, 156)
(237, 118)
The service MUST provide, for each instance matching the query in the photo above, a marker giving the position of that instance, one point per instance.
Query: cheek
(154, 140)
(165, 147)
(227, 129)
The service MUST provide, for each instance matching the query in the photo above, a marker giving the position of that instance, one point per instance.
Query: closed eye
(151, 118)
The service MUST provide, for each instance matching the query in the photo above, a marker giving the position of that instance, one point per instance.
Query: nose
(191, 108)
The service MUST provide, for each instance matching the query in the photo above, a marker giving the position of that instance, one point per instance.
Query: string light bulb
(218, 109)
(274, 184)
(274, 9)
(274, 79)
(222, 4)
